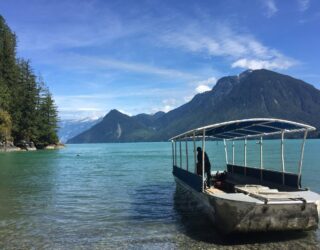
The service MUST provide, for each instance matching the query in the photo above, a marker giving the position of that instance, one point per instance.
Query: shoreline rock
(55, 146)
(26, 146)
(23, 146)
(8, 147)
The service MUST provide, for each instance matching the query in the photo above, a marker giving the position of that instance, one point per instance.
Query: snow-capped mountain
(69, 128)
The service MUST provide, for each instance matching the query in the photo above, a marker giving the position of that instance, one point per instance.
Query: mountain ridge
(251, 94)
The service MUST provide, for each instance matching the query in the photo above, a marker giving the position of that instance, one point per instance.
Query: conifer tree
(8, 69)
(48, 117)
(24, 103)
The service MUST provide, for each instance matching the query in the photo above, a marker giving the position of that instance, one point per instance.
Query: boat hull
(231, 216)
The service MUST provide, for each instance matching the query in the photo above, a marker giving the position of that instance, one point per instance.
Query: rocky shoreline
(10, 147)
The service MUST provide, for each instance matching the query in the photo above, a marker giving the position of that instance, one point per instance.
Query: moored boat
(245, 198)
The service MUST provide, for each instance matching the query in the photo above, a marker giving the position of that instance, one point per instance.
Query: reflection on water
(113, 196)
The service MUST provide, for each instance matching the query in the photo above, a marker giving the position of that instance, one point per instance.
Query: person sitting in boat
(207, 165)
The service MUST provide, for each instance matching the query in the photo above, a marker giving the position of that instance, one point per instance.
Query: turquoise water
(106, 196)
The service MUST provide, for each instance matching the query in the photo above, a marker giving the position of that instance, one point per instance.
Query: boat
(243, 198)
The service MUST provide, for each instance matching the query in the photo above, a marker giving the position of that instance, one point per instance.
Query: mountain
(257, 93)
(148, 120)
(118, 127)
(70, 128)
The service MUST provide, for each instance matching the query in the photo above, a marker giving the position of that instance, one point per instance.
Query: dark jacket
(207, 165)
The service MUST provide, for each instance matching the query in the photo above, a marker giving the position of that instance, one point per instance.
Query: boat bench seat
(258, 176)
(255, 189)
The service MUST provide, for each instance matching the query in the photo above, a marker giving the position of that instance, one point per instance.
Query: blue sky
(146, 56)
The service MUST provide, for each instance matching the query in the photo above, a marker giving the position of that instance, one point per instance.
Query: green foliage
(5, 126)
(47, 120)
(7, 63)
(4, 95)
(24, 100)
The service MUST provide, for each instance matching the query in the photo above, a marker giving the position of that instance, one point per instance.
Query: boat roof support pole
(301, 157)
(203, 155)
(180, 154)
(187, 155)
(245, 152)
(172, 143)
(282, 157)
(232, 152)
(245, 156)
(194, 152)
(225, 150)
(175, 153)
(261, 158)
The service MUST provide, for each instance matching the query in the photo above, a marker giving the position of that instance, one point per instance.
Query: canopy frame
(246, 128)
(237, 130)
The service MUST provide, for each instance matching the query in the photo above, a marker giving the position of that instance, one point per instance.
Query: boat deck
(264, 195)
(267, 194)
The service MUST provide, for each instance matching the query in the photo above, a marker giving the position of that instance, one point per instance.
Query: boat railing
(193, 180)
(243, 130)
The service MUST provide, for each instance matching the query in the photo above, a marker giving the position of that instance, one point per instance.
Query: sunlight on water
(105, 196)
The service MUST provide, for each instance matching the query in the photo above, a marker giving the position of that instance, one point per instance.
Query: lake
(106, 196)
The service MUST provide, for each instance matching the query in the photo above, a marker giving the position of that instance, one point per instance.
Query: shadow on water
(193, 221)
(153, 202)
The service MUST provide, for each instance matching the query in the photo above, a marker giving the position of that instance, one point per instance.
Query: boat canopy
(246, 128)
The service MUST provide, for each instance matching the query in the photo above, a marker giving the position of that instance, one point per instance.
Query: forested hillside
(27, 110)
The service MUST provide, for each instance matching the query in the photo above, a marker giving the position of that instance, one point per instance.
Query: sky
(150, 55)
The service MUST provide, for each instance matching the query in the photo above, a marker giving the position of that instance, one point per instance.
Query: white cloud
(205, 85)
(98, 104)
(142, 68)
(124, 112)
(263, 64)
(220, 45)
(242, 49)
(271, 8)
(210, 81)
(202, 88)
(303, 5)
(168, 104)
(92, 63)
(167, 108)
